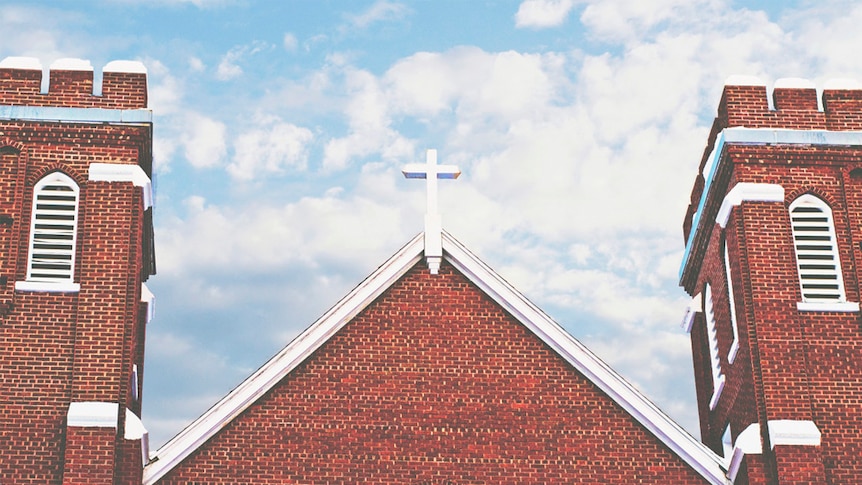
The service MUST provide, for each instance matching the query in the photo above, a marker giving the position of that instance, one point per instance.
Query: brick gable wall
(433, 383)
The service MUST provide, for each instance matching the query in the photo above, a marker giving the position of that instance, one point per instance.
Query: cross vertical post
(430, 171)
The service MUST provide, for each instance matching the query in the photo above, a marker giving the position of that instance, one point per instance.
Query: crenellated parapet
(70, 84)
(745, 103)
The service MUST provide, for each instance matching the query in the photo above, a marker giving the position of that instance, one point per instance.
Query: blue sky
(281, 128)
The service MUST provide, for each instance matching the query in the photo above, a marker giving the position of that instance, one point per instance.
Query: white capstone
(742, 80)
(125, 66)
(71, 64)
(794, 83)
(93, 414)
(13, 62)
(842, 83)
(789, 432)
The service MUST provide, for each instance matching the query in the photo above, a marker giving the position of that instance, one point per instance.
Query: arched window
(816, 251)
(53, 230)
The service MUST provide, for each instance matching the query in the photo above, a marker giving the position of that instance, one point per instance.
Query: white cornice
(77, 115)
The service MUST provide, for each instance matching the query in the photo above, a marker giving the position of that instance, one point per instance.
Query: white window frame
(63, 279)
(819, 234)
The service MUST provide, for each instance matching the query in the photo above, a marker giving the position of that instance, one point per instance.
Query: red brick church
(435, 370)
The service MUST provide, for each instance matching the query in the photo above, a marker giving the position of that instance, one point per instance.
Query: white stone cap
(794, 82)
(747, 443)
(13, 62)
(747, 192)
(135, 429)
(93, 414)
(125, 66)
(842, 83)
(71, 64)
(694, 307)
(742, 80)
(122, 172)
(793, 432)
(150, 299)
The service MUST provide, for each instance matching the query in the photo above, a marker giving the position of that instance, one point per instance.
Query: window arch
(814, 242)
(53, 230)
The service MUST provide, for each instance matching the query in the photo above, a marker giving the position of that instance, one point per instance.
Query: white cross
(430, 171)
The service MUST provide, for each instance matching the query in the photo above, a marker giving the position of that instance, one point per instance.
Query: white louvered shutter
(53, 229)
(816, 252)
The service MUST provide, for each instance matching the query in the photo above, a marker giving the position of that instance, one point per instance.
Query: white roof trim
(697, 455)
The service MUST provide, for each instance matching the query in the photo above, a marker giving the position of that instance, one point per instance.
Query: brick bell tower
(773, 245)
(76, 238)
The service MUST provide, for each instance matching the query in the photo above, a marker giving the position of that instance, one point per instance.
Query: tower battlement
(745, 102)
(70, 84)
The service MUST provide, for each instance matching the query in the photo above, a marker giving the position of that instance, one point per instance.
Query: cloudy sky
(281, 128)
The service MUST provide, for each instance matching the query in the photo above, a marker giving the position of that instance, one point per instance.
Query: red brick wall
(434, 383)
(58, 348)
(73, 89)
(798, 365)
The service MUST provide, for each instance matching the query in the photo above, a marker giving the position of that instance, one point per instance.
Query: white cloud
(289, 42)
(474, 84)
(229, 66)
(211, 239)
(380, 11)
(271, 147)
(625, 20)
(203, 141)
(196, 65)
(370, 132)
(543, 13)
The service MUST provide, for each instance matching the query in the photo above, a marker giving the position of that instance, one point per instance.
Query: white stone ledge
(790, 432)
(838, 306)
(48, 286)
(93, 414)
